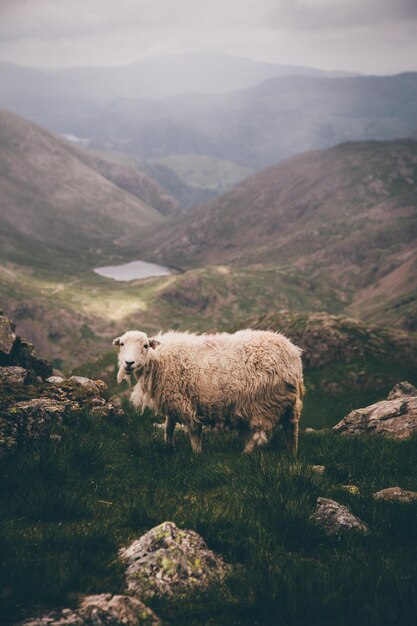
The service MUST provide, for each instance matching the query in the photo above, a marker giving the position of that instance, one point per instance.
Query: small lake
(133, 270)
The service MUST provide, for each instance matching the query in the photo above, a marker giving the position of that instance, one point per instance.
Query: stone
(55, 380)
(402, 389)
(85, 384)
(318, 469)
(100, 610)
(353, 489)
(396, 494)
(170, 562)
(13, 377)
(335, 518)
(393, 418)
(310, 430)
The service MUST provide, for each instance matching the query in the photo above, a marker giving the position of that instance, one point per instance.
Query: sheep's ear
(154, 343)
(116, 342)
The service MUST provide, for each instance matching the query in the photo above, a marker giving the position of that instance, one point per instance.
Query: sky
(369, 36)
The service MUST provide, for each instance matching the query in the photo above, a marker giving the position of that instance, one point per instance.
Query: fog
(368, 36)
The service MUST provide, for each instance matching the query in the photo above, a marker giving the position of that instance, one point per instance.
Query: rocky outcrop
(168, 561)
(101, 610)
(396, 494)
(335, 518)
(396, 417)
(32, 408)
(402, 389)
(15, 350)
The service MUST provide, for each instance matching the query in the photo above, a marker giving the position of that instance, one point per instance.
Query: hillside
(54, 203)
(345, 217)
(259, 126)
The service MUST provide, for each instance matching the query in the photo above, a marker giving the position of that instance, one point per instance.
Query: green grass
(67, 506)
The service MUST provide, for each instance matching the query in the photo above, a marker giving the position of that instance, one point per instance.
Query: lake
(133, 270)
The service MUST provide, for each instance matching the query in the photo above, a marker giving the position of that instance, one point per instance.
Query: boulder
(101, 610)
(15, 350)
(394, 418)
(335, 518)
(168, 561)
(396, 494)
(7, 337)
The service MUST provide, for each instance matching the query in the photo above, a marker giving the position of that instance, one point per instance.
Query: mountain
(262, 125)
(56, 205)
(344, 217)
(156, 77)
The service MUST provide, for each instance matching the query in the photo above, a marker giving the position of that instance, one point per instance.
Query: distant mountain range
(214, 106)
(345, 217)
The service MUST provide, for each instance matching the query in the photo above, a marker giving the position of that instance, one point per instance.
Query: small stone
(55, 380)
(396, 494)
(310, 430)
(85, 383)
(353, 489)
(318, 469)
(336, 518)
(168, 561)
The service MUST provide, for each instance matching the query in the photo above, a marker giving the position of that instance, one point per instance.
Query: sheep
(249, 381)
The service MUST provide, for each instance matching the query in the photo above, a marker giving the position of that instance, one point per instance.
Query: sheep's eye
(146, 345)
(121, 344)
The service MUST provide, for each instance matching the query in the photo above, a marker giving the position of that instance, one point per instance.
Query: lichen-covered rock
(15, 350)
(168, 561)
(55, 380)
(101, 610)
(402, 389)
(393, 418)
(318, 469)
(396, 494)
(13, 377)
(335, 518)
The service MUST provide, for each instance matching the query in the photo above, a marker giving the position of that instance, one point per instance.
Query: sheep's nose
(129, 363)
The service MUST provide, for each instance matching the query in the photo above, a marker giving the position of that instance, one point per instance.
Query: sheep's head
(134, 352)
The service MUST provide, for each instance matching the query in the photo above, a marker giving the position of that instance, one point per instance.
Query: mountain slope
(54, 207)
(346, 216)
(260, 126)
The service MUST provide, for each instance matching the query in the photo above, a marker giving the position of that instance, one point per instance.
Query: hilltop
(344, 217)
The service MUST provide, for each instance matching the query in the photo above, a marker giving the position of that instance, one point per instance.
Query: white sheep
(249, 381)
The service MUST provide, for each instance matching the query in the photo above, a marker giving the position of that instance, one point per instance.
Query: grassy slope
(66, 508)
(343, 216)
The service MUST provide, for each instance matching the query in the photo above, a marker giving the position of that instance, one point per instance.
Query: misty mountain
(56, 208)
(156, 77)
(345, 217)
(263, 125)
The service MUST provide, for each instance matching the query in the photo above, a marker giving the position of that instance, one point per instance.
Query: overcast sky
(370, 36)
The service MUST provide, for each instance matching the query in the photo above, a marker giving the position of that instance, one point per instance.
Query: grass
(67, 506)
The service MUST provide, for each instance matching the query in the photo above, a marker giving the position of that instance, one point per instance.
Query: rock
(7, 337)
(394, 418)
(402, 389)
(310, 430)
(318, 469)
(85, 384)
(55, 380)
(13, 377)
(100, 610)
(353, 489)
(396, 494)
(168, 561)
(335, 518)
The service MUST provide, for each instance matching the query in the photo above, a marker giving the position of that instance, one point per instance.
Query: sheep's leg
(195, 430)
(257, 438)
(290, 425)
(170, 423)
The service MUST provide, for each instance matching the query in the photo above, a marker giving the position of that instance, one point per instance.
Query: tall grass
(67, 506)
